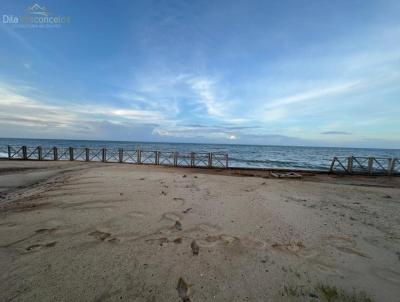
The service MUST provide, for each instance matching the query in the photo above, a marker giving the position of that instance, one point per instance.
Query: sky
(316, 73)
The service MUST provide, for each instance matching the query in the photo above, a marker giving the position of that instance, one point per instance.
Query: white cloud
(274, 114)
(138, 114)
(19, 109)
(197, 96)
(306, 96)
(196, 131)
(205, 90)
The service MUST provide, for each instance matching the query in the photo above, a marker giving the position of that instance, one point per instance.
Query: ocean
(318, 158)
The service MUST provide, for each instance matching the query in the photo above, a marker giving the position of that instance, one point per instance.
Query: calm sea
(239, 155)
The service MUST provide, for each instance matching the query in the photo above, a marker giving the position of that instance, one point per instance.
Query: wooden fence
(120, 155)
(365, 165)
(342, 165)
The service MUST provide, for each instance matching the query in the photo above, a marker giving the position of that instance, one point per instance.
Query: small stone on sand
(195, 247)
(178, 240)
(178, 225)
(186, 211)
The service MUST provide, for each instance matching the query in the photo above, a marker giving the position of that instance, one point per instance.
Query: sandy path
(108, 232)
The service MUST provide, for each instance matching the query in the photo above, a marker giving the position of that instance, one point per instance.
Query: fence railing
(167, 158)
(365, 165)
(344, 165)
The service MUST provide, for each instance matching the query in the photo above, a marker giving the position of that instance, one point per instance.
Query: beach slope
(112, 232)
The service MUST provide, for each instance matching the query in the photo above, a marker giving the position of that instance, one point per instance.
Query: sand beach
(75, 231)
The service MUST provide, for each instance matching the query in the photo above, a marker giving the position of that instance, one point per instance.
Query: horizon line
(188, 143)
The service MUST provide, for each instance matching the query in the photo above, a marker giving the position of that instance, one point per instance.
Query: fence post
(156, 157)
(103, 155)
(87, 154)
(370, 164)
(9, 151)
(192, 159)
(226, 160)
(40, 154)
(139, 156)
(391, 166)
(55, 153)
(121, 155)
(350, 164)
(209, 160)
(71, 153)
(24, 153)
(175, 158)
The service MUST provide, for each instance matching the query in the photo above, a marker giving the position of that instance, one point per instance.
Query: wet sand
(112, 232)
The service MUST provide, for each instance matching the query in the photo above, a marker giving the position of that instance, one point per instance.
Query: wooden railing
(343, 165)
(365, 165)
(121, 155)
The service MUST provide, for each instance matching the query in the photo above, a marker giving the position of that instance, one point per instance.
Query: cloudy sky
(321, 73)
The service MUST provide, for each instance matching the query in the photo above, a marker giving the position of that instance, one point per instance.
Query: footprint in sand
(179, 201)
(99, 235)
(45, 230)
(172, 216)
(213, 240)
(39, 246)
(161, 241)
(209, 241)
(292, 247)
(228, 239)
(209, 228)
(136, 214)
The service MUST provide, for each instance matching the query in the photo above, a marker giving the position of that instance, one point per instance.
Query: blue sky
(320, 73)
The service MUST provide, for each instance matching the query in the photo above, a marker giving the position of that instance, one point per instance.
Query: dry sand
(112, 232)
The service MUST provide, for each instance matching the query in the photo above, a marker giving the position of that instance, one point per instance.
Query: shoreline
(252, 171)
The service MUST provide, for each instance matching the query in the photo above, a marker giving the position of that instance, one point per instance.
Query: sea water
(239, 155)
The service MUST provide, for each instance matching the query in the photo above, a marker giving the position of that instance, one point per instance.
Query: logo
(36, 9)
(38, 17)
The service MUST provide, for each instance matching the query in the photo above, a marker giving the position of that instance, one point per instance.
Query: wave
(267, 163)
